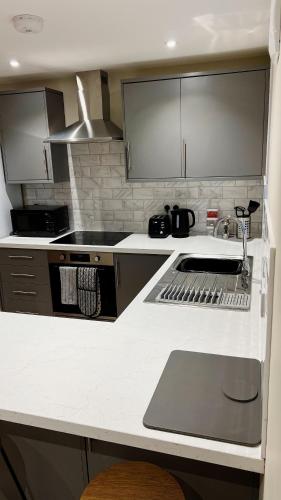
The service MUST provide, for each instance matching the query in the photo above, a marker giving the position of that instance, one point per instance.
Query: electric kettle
(180, 221)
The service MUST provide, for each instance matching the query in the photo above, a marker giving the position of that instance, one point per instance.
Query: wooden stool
(133, 481)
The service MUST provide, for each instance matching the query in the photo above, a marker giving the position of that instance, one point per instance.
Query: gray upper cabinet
(223, 124)
(196, 125)
(26, 119)
(152, 129)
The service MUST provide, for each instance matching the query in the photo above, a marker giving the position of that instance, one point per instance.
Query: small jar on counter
(211, 220)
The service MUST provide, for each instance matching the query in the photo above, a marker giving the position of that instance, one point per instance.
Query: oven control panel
(87, 258)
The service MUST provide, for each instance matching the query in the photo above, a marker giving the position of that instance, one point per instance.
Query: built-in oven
(104, 263)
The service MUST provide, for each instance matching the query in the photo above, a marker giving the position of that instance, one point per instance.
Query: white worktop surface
(96, 379)
(135, 243)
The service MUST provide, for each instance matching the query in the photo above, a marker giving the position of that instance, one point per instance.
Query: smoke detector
(28, 23)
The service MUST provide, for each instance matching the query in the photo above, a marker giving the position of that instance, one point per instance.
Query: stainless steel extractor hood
(87, 128)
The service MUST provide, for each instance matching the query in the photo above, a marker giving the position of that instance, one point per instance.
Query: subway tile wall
(99, 198)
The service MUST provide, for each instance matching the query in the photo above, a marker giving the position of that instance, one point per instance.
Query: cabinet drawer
(30, 293)
(24, 256)
(28, 307)
(20, 275)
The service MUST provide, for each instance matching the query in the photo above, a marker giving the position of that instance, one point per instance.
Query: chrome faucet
(245, 265)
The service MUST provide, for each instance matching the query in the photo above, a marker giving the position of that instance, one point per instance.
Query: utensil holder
(246, 221)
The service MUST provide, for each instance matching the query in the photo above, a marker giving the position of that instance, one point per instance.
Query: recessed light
(171, 44)
(14, 63)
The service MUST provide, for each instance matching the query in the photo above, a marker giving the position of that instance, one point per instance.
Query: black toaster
(159, 226)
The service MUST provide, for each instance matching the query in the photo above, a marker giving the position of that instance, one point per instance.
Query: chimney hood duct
(87, 129)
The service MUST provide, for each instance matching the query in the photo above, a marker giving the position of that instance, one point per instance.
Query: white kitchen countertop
(96, 379)
(134, 243)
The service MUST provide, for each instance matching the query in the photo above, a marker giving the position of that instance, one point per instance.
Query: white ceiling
(91, 34)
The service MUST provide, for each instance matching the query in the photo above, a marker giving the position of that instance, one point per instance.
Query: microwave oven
(40, 220)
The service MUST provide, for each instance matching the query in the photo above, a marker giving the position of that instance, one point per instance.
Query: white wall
(272, 481)
(9, 196)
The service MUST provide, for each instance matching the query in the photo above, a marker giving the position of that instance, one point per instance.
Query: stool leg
(13, 478)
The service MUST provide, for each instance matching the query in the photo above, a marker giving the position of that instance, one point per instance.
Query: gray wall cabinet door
(26, 120)
(133, 271)
(23, 127)
(223, 124)
(152, 129)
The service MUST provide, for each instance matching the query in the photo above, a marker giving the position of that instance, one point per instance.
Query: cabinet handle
(22, 275)
(46, 162)
(184, 157)
(128, 157)
(263, 305)
(20, 257)
(26, 312)
(21, 292)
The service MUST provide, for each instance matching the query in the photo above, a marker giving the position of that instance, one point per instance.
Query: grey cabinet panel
(24, 281)
(59, 162)
(55, 107)
(23, 257)
(23, 128)
(133, 271)
(49, 465)
(26, 119)
(223, 124)
(9, 489)
(152, 128)
(19, 275)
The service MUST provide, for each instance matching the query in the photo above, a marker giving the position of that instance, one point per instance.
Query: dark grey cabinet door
(223, 124)
(48, 465)
(133, 271)
(24, 126)
(152, 129)
(8, 487)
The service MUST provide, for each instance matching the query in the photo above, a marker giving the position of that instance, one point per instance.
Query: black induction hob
(103, 238)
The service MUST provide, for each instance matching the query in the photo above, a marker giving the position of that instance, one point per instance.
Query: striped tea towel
(88, 285)
(68, 281)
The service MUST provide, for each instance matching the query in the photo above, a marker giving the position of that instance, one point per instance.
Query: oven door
(107, 290)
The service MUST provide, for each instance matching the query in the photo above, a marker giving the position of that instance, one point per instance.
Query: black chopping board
(209, 396)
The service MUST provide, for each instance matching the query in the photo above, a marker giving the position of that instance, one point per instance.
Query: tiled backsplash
(99, 198)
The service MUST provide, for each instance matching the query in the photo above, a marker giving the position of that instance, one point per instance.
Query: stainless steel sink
(205, 281)
(212, 265)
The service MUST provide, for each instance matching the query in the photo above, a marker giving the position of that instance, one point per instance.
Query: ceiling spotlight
(14, 63)
(171, 44)
(28, 23)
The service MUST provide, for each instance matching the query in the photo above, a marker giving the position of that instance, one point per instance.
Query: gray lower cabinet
(152, 128)
(27, 118)
(223, 118)
(48, 465)
(198, 480)
(56, 466)
(9, 489)
(132, 272)
(24, 281)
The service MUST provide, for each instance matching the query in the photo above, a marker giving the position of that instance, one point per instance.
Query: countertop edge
(242, 462)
